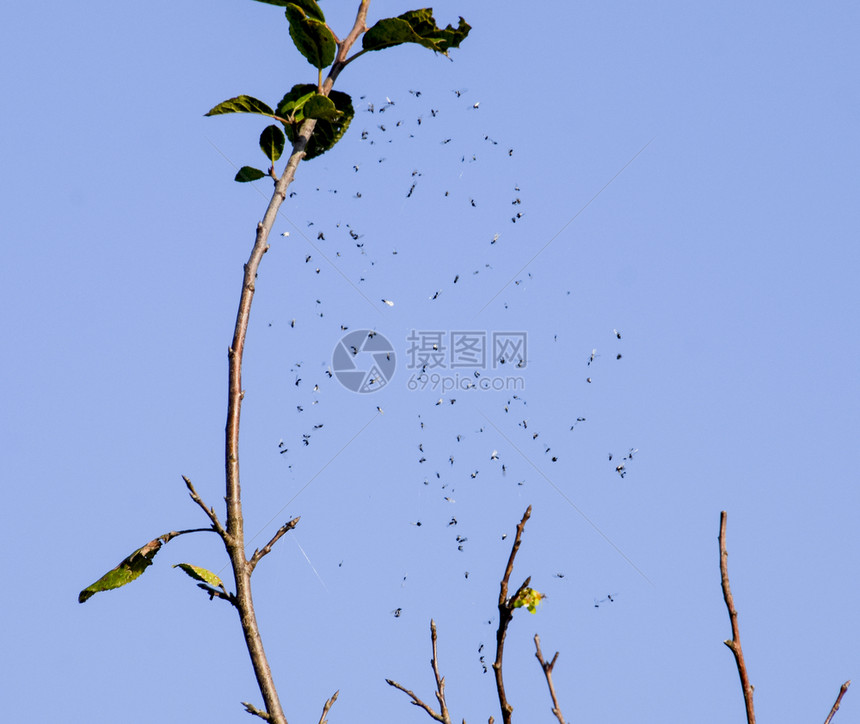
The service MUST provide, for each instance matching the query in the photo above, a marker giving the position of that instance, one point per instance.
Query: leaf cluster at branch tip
(333, 112)
(529, 598)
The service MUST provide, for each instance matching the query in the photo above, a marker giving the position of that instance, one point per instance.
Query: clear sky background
(725, 254)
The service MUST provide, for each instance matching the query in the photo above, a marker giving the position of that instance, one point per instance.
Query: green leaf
(329, 129)
(292, 103)
(309, 6)
(129, 569)
(416, 26)
(241, 104)
(311, 36)
(248, 173)
(272, 142)
(318, 106)
(328, 132)
(201, 574)
(312, 10)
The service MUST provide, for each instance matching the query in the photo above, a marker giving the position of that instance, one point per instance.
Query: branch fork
(443, 715)
(266, 549)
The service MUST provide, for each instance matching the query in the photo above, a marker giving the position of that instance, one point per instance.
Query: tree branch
(234, 540)
(415, 700)
(440, 680)
(210, 512)
(343, 48)
(506, 612)
(547, 670)
(352, 58)
(167, 537)
(328, 706)
(838, 701)
(735, 643)
(443, 716)
(217, 593)
(258, 554)
(251, 709)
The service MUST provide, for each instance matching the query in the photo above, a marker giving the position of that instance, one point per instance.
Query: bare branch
(415, 700)
(838, 701)
(440, 680)
(328, 706)
(547, 670)
(251, 709)
(352, 58)
(735, 643)
(443, 717)
(167, 537)
(210, 512)
(266, 549)
(506, 612)
(510, 567)
(341, 61)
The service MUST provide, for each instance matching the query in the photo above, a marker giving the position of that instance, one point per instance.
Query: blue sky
(724, 253)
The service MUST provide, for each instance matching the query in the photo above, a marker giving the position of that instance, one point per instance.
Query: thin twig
(735, 643)
(415, 700)
(216, 593)
(440, 680)
(167, 537)
(343, 48)
(210, 512)
(506, 612)
(547, 670)
(444, 716)
(328, 706)
(251, 709)
(838, 701)
(266, 549)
